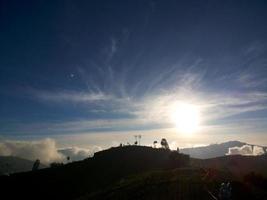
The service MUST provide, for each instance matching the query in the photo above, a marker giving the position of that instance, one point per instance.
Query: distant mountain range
(214, 150)
(10, 164)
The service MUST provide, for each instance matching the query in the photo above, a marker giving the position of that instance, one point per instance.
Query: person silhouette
(225, 191)
(36, 165)
(228, 191)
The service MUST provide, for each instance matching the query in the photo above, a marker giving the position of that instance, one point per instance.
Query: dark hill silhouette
(92, 174)
(177, 184)
(237, 165)
(184, 183)
(140, 158)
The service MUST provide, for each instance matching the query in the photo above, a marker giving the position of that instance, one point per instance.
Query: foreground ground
(141, 173)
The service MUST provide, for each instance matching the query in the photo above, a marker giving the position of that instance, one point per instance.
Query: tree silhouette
(164, 143)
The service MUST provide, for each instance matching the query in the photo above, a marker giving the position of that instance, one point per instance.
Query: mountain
(211, 151)
(10, 164)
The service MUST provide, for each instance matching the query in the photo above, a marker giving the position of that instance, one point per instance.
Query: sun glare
(186, 117)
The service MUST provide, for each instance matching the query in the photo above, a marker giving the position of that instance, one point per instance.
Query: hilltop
(102, 170)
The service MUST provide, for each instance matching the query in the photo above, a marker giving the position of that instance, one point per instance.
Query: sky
(92, 74)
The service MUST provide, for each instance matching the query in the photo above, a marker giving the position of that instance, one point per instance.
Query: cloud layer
(77, 153)
(246, 150)
(45, 150)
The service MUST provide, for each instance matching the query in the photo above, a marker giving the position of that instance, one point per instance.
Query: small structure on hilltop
(137, 139)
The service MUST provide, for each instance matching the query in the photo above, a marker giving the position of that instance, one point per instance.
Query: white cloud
(258, 150)
(246, 150)
(77, 153)
(45, 150)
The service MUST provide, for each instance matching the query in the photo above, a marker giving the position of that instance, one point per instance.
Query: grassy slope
(177, 184)
(169, 184)
(236, 165)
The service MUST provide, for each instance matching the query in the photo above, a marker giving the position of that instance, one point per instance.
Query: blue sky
(112, 69)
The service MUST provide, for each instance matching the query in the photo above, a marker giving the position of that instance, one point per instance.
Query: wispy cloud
(72, 96)
(154, 108)
(254, 49)
(149, 100)
(251, 81)
(113, 47)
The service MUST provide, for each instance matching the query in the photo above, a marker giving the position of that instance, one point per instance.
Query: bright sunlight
(186, 118)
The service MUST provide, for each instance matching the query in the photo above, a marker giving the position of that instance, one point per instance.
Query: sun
(186, 117)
